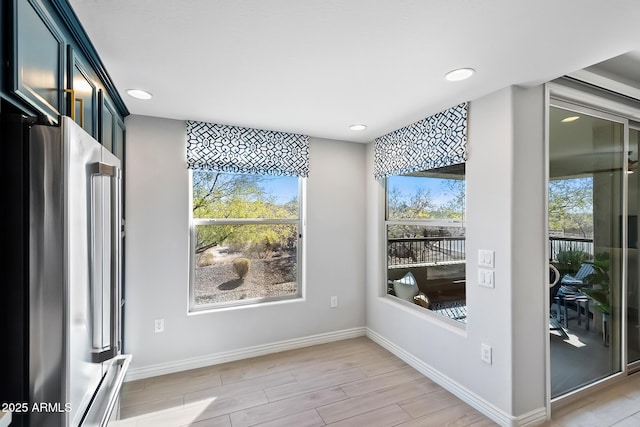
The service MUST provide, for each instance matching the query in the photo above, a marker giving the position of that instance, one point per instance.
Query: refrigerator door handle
(103, 169)
(104, 278)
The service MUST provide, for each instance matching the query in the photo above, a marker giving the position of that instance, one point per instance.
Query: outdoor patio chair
(577, 280)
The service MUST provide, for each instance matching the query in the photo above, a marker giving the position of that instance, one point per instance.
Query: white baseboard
(532, 418)
(245, 353)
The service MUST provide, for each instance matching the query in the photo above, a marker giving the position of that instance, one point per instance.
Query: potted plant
(598, 290)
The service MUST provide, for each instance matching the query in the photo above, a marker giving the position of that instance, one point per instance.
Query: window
(426, 259)
(244, 238)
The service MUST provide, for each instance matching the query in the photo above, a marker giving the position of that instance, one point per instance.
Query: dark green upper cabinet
(107, 121)
(111, 127)
(51, 68)
(39, 49)
(83, 95)
(118, 138)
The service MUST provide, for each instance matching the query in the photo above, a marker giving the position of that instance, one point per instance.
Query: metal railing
(564, 244)
(443, 250)
(425, 250)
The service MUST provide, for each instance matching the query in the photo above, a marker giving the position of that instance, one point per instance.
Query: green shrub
(205, 259)
(569, 262)
(241, 265)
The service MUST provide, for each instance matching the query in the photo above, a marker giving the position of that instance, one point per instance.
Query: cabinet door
(38, 59)
(112, 131)
(84, 102)
(118, 139)
(107, 120)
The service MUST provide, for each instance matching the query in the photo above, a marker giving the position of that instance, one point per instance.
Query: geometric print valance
(437, 141)
(245, 150)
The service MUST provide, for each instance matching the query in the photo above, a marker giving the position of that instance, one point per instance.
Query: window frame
(427, 222)
(194, 308)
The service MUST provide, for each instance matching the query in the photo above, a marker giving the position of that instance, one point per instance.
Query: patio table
(581, 302)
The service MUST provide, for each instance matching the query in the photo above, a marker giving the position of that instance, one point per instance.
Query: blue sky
(407, 185)
(285, 188)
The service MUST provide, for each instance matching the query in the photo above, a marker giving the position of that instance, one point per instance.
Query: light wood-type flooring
(353, 382)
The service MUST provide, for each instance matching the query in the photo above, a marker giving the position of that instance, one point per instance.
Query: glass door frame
(631, 366)
(566, 94)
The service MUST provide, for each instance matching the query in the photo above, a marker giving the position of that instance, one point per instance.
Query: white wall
(157, 218)
(505, 213)
(345, 249)
(529, 256)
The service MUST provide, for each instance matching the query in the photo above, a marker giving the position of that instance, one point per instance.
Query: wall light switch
(486, 258)
(486, 278)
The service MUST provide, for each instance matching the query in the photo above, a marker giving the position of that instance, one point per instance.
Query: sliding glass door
(587, 170)
(633, 255)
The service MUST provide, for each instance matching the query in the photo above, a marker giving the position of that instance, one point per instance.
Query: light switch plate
(486, 278)
(486, 258)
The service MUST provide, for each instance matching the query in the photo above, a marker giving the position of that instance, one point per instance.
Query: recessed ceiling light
(459, 74)
(358, 127)
(570, 119)
(139, 94)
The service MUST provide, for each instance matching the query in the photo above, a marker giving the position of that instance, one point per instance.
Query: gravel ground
(266, 278)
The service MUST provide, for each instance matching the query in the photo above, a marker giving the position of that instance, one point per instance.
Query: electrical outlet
(334, 301)
(486, 353)
(159, 325)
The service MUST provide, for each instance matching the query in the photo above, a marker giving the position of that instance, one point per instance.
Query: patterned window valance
(236, 149)
(434, 142)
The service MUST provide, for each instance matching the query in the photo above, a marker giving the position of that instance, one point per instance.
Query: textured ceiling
(317, 66)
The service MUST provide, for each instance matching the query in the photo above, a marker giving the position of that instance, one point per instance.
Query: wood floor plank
(383, 366)
(429, 403)
(378, 382)
(261, 368)
(182, 377)
(286, 407)
(222, 421)
(132, 386)
(151, 406)
(308, 418)
(606, 407)
(170, 417)
(144, 397)
(239, 368)
(485, 422)
(315, 383)
(375, 400)
(384, 417)
(336, 363)
(241, 387)
(628, 422)
(612, 410)
(202, 410)
(456, 415)
(159, 390)
(292, 360)
(122, 423)
(231, 404)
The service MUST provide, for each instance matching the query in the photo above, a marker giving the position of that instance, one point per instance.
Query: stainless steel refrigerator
(76, 365)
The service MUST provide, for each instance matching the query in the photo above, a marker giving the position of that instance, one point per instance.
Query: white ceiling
(317, 66)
